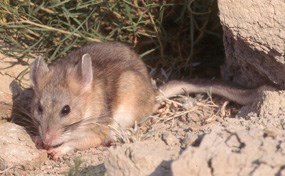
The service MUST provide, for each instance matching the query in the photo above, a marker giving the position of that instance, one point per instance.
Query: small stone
(18, 149)
(170, 139)
(189, 139)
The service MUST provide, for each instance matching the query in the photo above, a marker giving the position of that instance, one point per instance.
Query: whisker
(91, 120)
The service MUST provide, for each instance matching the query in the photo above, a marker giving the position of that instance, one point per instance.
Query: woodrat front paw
(58, 152)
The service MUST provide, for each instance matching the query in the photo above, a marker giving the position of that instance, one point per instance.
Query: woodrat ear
(38, 69)
(15, 88)
(86, 71)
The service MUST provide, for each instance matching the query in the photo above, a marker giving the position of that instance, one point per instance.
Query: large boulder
(254, 40)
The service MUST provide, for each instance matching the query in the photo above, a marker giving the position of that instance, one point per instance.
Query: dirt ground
(189, 135)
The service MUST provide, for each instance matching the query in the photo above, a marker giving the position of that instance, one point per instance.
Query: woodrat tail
(237, 94)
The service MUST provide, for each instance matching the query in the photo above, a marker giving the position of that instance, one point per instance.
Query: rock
(141, 158)
(170, 139)
(10, 68)
(18, 149)
(233, 150)
(273, 105)
(254, 41)
(268, 112)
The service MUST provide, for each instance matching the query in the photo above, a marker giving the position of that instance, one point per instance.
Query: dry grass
(169, 34)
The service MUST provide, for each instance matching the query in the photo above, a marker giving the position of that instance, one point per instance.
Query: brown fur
(115, 91)
(120, 80)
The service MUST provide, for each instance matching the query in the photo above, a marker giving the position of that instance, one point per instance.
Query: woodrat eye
(65, 110)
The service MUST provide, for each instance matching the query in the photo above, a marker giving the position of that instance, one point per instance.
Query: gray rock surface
(17, 148)
(268, 112)
(254, 40)
(141, 158)
(234, 150)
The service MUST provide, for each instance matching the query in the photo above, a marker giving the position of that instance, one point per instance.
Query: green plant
(169, 33)
(74, 169)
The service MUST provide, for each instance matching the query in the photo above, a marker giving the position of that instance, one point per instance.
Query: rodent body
(77, 97)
